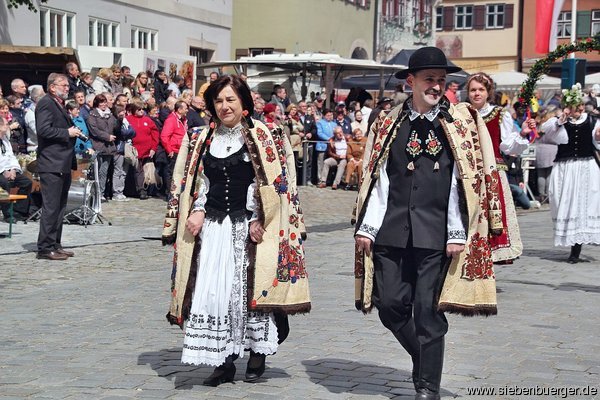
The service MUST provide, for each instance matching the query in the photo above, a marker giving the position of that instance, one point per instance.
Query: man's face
(80, 98)
(339, 134)
(453, 87)
(213, 76)
(122, 101)
(281, 93)
(60, 88)
(20, 88)
(303, 107)
(74, 71)
(428, 87)
(127, 71)
(329, 116)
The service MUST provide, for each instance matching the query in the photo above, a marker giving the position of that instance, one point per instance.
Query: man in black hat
(409, 223)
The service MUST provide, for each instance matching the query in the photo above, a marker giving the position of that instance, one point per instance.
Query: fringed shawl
(277, 277)
(469, 286)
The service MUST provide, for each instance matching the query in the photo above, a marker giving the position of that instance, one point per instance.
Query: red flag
(546, 17)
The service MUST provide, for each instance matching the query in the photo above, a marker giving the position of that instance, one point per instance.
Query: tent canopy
(592, 79)
(513, 80)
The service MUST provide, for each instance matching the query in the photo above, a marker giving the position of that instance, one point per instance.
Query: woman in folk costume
(505, 140)
(238, 229)
(574, 190)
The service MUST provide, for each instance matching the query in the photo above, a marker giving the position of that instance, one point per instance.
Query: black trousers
(21, 207)
(406, 289)
(55, 193)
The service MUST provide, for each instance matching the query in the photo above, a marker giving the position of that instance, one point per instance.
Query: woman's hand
(194, 222)
(256, 231)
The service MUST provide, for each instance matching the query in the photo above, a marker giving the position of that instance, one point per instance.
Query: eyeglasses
(63, 85)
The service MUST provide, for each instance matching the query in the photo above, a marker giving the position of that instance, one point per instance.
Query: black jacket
(56, 150)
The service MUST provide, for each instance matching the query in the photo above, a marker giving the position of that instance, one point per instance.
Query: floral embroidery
(290, 265)
(413, 147)
(262, 135)
(433, 146)
(466, 145)
(460, 128)
(368, 229)
(470, 159)
(478, 262)
(281, 183)
(294, 220)
(270, 154)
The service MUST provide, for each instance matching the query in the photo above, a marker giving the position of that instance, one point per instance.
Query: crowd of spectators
(153, 111)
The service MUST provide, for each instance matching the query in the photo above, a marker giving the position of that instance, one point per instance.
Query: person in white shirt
(336, 152)
(11, 176)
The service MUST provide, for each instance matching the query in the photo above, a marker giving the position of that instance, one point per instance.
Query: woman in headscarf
(235, 218)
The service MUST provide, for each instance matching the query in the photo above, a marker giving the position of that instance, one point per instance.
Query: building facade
(403, 24)
(479, 35)
(588, 24)
(140, 34)
(344, 27)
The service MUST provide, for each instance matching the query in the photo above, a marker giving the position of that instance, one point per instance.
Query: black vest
(229, 180)
(580, 143)
(417, 203)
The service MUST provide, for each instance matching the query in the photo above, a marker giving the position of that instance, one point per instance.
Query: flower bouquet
(572, 97)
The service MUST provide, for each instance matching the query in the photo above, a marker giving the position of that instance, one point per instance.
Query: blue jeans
(520, 197)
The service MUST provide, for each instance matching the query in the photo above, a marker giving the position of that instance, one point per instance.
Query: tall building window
(463, 17)
(439, 18)
(564, 25)
(143, 38)
(494, 16)
(103, 33)
(257, 51)
(595, 22)
(57, 28)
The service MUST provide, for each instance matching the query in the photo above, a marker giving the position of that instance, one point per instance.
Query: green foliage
(19, 3)
(542, 65)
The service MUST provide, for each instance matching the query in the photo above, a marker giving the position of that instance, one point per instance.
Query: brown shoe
(321, 185)
(52, 255)
(67, 253)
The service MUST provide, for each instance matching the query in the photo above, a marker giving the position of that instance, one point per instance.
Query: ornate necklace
(229, 135)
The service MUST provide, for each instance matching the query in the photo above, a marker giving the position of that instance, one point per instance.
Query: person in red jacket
(145, 142)
(174, 129)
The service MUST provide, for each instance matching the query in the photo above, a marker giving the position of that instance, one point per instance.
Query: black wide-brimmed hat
(427, 58)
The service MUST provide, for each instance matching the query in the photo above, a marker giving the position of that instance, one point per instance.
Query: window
(495, 16)
(595, 22)
(463, 17)
(439, 18)
(142, 38)
(57, 28)
(258, 51)
(103, 33)
(564, 25)
(202, 55)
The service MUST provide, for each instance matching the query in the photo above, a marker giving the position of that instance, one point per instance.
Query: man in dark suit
(310, 133)
(56, 158)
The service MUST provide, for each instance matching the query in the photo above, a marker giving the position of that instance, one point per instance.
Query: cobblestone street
(94, 327)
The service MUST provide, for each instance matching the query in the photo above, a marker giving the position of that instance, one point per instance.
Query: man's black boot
(430, 370)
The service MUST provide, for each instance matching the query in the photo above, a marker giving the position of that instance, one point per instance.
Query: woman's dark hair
(239, 87)
(100, 98)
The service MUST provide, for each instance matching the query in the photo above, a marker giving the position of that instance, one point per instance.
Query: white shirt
(511, 141)
(556, 133)
(8, 160)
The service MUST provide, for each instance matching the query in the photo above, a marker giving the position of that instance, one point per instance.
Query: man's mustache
(433, 91)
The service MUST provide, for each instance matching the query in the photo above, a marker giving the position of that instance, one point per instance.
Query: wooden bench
(12, 199)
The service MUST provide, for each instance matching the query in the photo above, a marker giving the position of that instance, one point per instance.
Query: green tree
(28, 3)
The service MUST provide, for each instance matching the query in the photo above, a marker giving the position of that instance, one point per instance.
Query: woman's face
(103, 105)
(228, 107)
(293, 111)
(4, 111)
(88, 79)
(358, 116)
(478, 94)
(74, 112)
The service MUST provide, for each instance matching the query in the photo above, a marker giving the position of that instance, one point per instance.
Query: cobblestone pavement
(93, 327)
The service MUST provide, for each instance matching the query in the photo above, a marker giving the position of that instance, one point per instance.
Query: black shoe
(221, 374)
(426, 394)
(67, 253)
(256, 366)
(143, 195)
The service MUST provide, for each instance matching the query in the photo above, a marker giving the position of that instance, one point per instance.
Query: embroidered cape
(469, 285)
(277, 277)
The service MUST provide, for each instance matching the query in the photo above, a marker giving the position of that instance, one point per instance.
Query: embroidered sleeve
(376, 207)
(512, 143)
(456, 229)
(251, 204)
(202, 191)
(554, 132)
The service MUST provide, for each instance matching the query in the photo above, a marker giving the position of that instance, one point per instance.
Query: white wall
(201, 23)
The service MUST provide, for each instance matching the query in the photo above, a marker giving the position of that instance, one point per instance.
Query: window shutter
(584, 24)
(384, 7)
(508, 15)
(479, 18)
(448, 19)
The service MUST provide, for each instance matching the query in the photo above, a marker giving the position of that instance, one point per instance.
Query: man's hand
(256, 231)
(152, 153)
(194, 222)
(364, 244)
(112, 138)
(74, 132)
(527, 127)
(10, 174)
(453, 249)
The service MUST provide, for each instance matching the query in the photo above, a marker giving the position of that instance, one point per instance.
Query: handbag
(130, 154)
(151, 176)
